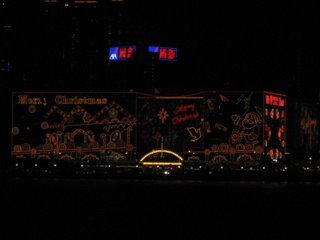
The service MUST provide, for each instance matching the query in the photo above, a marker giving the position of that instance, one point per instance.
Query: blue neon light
(114, 53)
(153, 49)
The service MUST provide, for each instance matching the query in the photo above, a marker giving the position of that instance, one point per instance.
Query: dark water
(135, 209)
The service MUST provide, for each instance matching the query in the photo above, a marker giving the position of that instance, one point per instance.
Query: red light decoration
(274, 100)
(177, 120)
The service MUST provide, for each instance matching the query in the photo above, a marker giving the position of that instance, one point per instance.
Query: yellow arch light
(162, 163)
(160, 151)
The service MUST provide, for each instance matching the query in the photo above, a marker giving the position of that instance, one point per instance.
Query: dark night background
(239, 46)
(261, 45)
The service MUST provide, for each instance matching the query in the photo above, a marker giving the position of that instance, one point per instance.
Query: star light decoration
(163, 114)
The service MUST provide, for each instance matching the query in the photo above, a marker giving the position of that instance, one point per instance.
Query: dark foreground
(52, 208)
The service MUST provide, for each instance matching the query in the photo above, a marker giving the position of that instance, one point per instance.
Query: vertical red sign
(122, 52)
(163, 53)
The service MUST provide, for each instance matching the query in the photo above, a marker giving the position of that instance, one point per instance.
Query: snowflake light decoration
(163, 115)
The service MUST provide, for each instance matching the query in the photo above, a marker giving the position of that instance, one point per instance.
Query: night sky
(239, 46)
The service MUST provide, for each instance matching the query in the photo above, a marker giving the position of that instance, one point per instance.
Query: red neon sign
(172, 54)
(163, 53)
(121, 53)
(130, 51)
(274, 100)
(126, 52)
(177, 120)
(184, 108)
(168, 54)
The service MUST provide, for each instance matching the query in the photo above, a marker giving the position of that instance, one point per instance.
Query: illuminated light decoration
(66, 157)
(15, 131)
(274, 100)
(161, 163)
(163, 115)
(32, 109)
(85, 1)
(177, 120)
(165, 53)
(195, 134)
(121, 53)
(43, 157)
